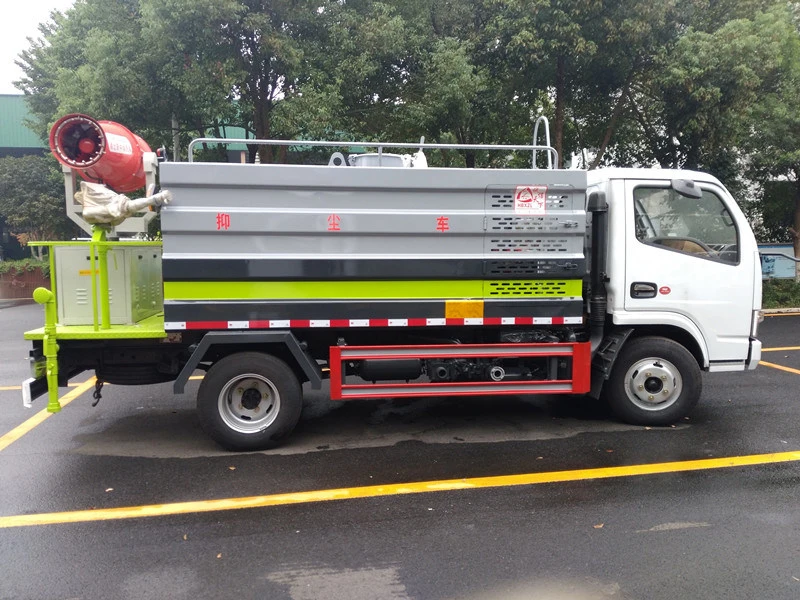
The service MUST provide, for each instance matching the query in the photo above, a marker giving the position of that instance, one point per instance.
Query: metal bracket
(132, 225)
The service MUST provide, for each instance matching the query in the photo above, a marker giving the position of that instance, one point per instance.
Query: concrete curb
(15, 302)
(780, 311)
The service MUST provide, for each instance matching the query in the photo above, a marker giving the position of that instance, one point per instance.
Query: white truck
(391, 278)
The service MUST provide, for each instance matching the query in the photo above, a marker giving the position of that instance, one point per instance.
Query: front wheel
(249, 401)
(655, 381)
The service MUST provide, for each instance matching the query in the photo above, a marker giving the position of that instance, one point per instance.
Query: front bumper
(754, 355)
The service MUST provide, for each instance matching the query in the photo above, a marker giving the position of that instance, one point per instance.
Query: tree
(32, 200)
(154, 66)
(544, 41)
(773, 141)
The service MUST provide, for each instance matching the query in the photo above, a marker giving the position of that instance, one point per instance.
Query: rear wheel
(655, 381)
(249, 401)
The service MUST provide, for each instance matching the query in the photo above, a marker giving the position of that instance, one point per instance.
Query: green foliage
(781, 293)
(773, 211)
(32, 200)
(26, 264)
(705, 84)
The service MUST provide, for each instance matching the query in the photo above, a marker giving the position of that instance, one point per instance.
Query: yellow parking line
(37, 419)
(779, 367)
(784, 349)
(375, 491)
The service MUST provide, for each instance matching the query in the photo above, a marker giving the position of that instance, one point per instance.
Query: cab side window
(699, 227)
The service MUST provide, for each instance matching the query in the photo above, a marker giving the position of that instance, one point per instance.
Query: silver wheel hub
(653, 384)
(249, 403)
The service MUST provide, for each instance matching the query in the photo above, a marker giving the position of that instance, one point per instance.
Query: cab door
(688, 261)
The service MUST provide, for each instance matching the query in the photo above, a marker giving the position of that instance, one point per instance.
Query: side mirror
(687, 187)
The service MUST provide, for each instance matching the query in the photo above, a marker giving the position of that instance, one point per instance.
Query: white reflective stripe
(27, 401)
(431, 322)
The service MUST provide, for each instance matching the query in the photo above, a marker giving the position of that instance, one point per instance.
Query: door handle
(643, 289)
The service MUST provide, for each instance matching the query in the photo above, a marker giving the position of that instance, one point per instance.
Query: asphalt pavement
(434, 498)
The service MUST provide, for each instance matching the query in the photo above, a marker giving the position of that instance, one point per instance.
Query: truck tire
(249, 401)
(655, 381)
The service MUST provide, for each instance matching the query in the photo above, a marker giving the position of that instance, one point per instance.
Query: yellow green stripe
(367, 290)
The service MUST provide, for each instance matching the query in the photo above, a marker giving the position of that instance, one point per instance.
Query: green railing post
(99, 238)
(50, 345)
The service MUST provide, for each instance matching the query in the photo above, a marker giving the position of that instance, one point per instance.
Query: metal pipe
(552, 154)
(543, 119)
(50, 345)
(598, 300)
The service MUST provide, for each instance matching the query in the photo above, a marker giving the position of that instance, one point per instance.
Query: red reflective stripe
(207, 325)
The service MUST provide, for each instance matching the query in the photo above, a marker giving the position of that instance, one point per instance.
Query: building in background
(15, 140)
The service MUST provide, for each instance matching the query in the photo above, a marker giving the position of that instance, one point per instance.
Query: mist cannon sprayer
(101, 151)
(112, 160)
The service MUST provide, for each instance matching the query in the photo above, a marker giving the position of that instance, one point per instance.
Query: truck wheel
(655, 381)
(249, 401)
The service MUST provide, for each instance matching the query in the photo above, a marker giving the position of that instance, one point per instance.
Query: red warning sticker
(530, 199)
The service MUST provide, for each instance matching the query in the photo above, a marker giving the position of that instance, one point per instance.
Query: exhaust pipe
(598, 300)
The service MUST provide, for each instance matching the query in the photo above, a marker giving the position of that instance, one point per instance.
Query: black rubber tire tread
(658, 347)
(221, 372)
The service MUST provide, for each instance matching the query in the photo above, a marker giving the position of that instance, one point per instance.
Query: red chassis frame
(579, 383)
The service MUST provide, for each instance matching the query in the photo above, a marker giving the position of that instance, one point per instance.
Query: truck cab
(687, 263)
(683, 266)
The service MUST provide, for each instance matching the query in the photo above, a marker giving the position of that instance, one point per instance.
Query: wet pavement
(718, 532)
